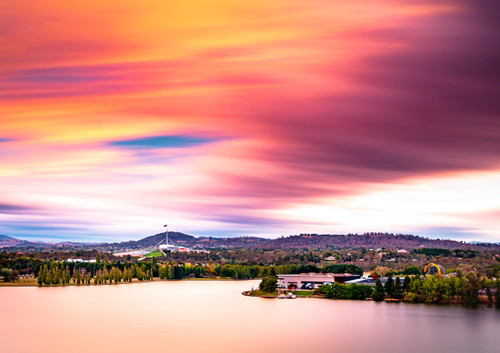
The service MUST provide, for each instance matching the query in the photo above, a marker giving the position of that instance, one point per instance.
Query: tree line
(9, 275)
(470, 290)
(345, 291)
(63, 273)
(467, 290)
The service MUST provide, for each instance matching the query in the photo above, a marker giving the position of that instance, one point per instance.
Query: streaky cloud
(332, 109)
(447, 232)
(6, 208)
(165, 141)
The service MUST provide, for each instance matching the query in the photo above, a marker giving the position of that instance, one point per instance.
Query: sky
(267, 118)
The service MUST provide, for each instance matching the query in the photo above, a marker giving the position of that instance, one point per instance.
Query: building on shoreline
(313, 280)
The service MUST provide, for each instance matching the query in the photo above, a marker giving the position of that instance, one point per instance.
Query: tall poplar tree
(379, 293)
(389, 287)
(398, 289)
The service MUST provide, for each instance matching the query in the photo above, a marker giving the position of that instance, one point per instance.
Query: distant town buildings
(80, 260)
(133, 253)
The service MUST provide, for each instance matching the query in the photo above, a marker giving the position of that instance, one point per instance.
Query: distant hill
(152, 240)
(7, 242)
(303, 241)
(149, 241)
(185, 240)
(10, 242)
(370, 240)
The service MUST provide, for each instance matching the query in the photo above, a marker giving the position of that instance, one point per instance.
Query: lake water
(213, 316)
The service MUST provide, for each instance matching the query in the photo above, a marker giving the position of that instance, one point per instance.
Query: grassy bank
(23, 282)
(32, 282)
(274, 294)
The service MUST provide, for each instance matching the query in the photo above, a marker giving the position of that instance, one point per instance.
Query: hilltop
(7, 242)
(11, 242)
(187, 241)
(370, 240)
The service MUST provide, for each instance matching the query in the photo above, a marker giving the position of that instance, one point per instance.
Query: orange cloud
(306, 102)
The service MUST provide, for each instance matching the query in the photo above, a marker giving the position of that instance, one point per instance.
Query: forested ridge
(307, 241)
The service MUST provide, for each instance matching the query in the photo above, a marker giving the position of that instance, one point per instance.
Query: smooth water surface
(213, 316)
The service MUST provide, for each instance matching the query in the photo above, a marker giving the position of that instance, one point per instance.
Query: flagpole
(166, 235)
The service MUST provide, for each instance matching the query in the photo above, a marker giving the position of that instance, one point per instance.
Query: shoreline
(274, 295)
(32, 282)
(459, 304)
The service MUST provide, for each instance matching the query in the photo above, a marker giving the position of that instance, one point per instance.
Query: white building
(313, 280)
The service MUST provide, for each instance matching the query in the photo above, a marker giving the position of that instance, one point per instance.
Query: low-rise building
(80, 260)
(370, 281)
(313, 280)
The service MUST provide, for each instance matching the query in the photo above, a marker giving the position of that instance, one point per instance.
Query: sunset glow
(249, 118)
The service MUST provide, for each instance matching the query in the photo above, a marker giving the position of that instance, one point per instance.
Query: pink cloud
(316, 101)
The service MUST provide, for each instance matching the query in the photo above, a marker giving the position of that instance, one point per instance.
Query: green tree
(379, 293)
(78, 276)
(334, 290)
(435, 289)
(5, 273)
(406, 283)
(414, 293)
(471, 291)
(358, 291)
(40, 277)
(268, 284)
(67, 275)
(398, 289)
(389, 287)
(412, 270)
(43, 274)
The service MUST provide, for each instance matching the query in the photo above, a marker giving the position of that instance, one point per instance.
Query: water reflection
(212, 316)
